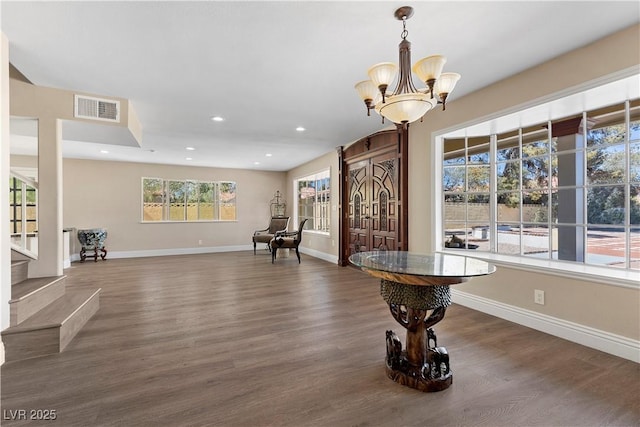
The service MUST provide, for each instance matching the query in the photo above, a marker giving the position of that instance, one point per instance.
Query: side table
(416, 288)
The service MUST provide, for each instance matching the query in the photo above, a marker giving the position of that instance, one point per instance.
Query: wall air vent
(86, 107)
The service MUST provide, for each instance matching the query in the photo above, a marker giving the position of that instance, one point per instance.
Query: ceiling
(270, 67)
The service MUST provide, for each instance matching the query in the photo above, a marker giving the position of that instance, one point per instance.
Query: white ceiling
(269, 67)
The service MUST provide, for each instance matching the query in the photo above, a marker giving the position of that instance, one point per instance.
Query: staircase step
(52, 328)
(19, 271)
(32, 295)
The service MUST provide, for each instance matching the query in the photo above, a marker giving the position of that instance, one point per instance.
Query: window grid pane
(549, 182)
(171, 200)
(314, 201)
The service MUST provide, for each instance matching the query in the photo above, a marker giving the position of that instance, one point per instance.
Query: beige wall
(327, 246)
(38, 101)
(613, 309)
(608, 308)
(108, 194)
(51, 106)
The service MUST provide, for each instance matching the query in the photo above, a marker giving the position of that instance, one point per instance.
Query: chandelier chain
(405, 32)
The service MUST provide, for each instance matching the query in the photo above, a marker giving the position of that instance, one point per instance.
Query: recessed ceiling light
(104, 151)
(217, 119)
(188, 158)
(268, 155)
(256, 163)
(190, 148)
(300, 129)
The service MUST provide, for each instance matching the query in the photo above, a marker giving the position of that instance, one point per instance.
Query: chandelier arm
(431, 84)
(383, 91)
(443, 97)
(369, 103)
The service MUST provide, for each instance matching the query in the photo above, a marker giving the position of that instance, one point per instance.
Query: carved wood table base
(416, 288)
(423, 365)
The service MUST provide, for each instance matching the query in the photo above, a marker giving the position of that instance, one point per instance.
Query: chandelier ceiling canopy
(406, 103)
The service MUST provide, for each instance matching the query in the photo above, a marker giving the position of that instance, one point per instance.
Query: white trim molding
(203, 250)
(617, 345)
(171, 251)
(317, 254)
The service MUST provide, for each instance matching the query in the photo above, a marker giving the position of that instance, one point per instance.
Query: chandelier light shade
(445, 84)
(406, 107)
(406, 103)
(429, 69)
(382, 75)
(368, 92)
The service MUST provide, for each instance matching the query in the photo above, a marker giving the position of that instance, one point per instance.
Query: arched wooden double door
(374, 194)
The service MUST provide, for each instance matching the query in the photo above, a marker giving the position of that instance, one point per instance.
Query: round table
(414, 285)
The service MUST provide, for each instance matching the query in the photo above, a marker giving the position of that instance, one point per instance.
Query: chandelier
(406, 104)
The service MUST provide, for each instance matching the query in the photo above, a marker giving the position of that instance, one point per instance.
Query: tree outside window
(567, 189)
(173, 200)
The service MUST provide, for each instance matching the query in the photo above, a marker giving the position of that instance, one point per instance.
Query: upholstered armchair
(277, 224)
(287, 240)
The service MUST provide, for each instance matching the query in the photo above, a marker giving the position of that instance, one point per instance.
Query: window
(313, 201)
(173, 200)
(567, 189)
(22, 206)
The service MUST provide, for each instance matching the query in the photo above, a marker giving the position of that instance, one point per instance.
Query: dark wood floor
(232, 340)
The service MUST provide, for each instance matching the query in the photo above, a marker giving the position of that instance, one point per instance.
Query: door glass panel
(356, 211)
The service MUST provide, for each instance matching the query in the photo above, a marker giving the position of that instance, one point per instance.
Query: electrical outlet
(538, 297)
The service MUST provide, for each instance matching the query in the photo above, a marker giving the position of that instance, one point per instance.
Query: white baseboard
(171, 251)
(600, 340)
(202, 250)
(317, 254)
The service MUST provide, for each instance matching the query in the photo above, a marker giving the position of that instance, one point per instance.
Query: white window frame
(322, 210)
(166, 205)
(611, 276)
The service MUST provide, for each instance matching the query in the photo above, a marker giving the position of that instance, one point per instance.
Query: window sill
(607, 276)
